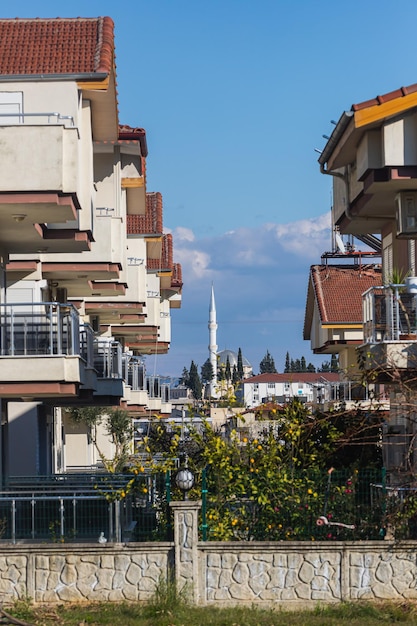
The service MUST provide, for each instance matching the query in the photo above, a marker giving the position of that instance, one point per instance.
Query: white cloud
(182, 233)
(307, 238)
(260, 277)
(195, 263)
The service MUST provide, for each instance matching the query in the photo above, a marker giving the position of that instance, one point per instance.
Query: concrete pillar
(186, 552)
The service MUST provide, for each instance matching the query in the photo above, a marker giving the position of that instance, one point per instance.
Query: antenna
(339, 243)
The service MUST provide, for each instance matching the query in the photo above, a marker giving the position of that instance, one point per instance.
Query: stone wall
(306, 573)
(76, 572)
(287, 574)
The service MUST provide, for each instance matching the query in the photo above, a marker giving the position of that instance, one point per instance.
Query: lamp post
(185, 480)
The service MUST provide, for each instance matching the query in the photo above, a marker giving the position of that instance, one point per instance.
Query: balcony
(144, 392)
(108, 366)
(40, 184)
(44, 350)
(50, 163)
(351, 394)
(389, 350)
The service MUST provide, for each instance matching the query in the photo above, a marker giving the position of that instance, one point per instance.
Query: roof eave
(91, 76)
(335, 137)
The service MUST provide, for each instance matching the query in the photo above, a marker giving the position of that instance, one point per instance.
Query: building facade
(282, 388)
(372, 158)
(87, 278)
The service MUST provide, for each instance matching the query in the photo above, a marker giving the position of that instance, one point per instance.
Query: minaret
(212, 326)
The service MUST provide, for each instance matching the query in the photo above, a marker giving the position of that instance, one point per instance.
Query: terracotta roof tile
(391, 95)
(338, 290)
(296, 377)
(56, 46)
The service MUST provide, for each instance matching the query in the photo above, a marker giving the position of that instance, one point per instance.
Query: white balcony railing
(389, 314)
(49, 117)
(39, 329)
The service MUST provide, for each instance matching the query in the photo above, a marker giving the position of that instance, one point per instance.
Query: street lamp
(185, 480)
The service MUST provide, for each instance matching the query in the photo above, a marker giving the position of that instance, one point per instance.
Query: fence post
(204, 505)
(117, 525)
(186, 540)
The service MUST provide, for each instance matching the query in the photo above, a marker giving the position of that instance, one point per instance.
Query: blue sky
(235, 96)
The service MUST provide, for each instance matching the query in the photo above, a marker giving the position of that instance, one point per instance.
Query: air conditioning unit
(406, 212)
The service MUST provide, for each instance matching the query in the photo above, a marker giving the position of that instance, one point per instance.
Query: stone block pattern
(227, 573)
(297, 574)
(273, 576)
(48, 575)
(384, 576)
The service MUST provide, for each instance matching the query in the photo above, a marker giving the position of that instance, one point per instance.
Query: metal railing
(354, 391)
(81, 507)
(346, 504)
(42, 328)
(56, 118)
(134, 374)
(108, 358)
(388, 313)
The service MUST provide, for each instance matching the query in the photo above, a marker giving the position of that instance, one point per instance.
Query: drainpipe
(334, 139)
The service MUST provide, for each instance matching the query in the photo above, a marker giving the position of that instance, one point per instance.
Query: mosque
(219, 359)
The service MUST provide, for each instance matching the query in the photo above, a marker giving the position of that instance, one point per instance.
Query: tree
(235, 375)
(220, 373)
(303, 364)
(287, 363)
(195, 382)
(185, 377)
(240, 371)
(228, 370)
(267, 365)
(207, 372)
(334, 363)
(118, 426)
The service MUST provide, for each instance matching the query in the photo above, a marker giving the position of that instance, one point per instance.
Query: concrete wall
(285, 574)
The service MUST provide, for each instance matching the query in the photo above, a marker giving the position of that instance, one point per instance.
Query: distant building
(282, 388)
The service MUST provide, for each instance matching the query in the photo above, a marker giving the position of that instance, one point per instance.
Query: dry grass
(177, 613)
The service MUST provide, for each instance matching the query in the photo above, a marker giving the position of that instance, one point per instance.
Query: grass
(174, 611)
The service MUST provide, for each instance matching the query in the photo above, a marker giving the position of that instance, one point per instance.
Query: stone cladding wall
(307, 573)
(284, 574)
(77, 572)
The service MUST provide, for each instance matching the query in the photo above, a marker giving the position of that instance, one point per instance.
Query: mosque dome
(224, 354)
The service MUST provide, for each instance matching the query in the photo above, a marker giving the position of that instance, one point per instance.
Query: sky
(235, 97)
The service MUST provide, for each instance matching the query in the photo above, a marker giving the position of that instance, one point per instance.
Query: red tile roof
(392, 95)
(56, 46)
(127, 134)
(338, 290)
(294, 377)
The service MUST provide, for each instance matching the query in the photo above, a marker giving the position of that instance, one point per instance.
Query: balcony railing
(352, 391)
(108, 358)
(134, 374)
(389, 314)
(49, 117)
(39, 329)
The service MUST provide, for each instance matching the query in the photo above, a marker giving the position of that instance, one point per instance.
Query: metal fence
(343, 504)
(91, 507)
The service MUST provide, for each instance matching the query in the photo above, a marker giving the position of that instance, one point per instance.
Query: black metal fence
(345, 505)
(92, 507)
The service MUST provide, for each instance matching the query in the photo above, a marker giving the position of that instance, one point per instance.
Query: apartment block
(87, 277)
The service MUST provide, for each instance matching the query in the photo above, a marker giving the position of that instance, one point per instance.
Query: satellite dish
(339, 243)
